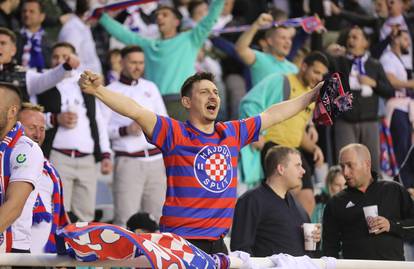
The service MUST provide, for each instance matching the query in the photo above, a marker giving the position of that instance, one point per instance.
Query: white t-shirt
(393, 65)
(26, 164)
(41, 231)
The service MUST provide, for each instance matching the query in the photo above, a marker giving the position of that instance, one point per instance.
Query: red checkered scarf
(6, 147)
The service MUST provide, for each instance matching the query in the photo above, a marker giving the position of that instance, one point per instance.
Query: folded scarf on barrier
(98, 241)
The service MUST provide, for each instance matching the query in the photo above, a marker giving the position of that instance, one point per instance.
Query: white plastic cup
(308, 228)
(72, 108)
(370, 213)
(327, 8)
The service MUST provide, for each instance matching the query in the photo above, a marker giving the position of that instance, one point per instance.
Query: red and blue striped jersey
(201, 174)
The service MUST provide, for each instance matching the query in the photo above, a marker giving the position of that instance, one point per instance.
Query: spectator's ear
(186, 102)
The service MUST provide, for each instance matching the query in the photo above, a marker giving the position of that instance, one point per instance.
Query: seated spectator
(334, 183)
(344, 225)
(268, 220)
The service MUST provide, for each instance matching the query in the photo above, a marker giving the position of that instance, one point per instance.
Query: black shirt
(265, 224)
(344, 222)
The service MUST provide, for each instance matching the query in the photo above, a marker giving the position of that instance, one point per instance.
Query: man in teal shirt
(171, 59)
(273, 58)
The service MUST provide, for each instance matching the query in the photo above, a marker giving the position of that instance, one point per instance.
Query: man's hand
(67, 119)
(106, 166)
(335, 9)
(133, 129)
(263, 21)
(380, 225)
(365, 80)
(316, 234)
(411, 192)
(72, 61)
(89, 82)
(318, 156)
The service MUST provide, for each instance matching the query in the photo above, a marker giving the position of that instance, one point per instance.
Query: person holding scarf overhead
(22, 163)
(367, 80)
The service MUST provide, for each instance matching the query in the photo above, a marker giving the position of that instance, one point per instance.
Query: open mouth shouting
(211, 108)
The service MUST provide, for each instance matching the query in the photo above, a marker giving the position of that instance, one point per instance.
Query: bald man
(22, 162)
(344, 226)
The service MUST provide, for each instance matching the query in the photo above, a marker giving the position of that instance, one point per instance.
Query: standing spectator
(292, 132)
(267, 219)
(396, 18)
(367, 80)
(139, 174)
(22, 160)
(78, 33)
(29, 82)
(35, 48)
(7, 18)
(48, 211)
(76, 140)
(170, 59)
(399, 108)
(273, 59)
(200, 155)
(344, 225)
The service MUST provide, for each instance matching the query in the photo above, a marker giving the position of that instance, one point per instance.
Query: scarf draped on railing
(58, 215)
(6, 147)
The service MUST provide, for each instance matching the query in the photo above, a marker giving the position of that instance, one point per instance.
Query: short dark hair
(9, 33)
(39, 2)
(277, 155)
(130, 49)
(64, 45)
(189, 82)
(13, 88)
(174, 10)
(316, 56)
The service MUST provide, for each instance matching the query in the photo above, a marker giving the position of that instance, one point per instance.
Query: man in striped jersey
(200, 155)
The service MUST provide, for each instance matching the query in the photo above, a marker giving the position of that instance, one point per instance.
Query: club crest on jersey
(212, 168)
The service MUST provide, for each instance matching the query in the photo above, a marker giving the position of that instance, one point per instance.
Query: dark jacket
(364, 108)
(344, 222)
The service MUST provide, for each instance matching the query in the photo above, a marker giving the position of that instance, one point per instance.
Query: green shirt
(266, 64)
(271, 90)
(168, 62)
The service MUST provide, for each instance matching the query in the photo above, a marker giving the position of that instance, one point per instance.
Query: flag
(98, 241)
(113, 5)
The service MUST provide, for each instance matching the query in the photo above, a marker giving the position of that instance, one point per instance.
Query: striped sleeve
(249, 130)
(163, 134)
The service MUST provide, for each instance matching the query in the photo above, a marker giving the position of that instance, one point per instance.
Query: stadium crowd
(202, 115)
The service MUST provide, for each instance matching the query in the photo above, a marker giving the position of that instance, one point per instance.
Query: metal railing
(52, 260)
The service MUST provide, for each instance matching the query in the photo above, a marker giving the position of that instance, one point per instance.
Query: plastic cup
(308, 228)
(370, 213)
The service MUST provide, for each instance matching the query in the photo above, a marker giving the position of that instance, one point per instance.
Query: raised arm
(121, 32)
(287, 109)
(243, 43)
(202, 30)
(91, 83)
(38, 83)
